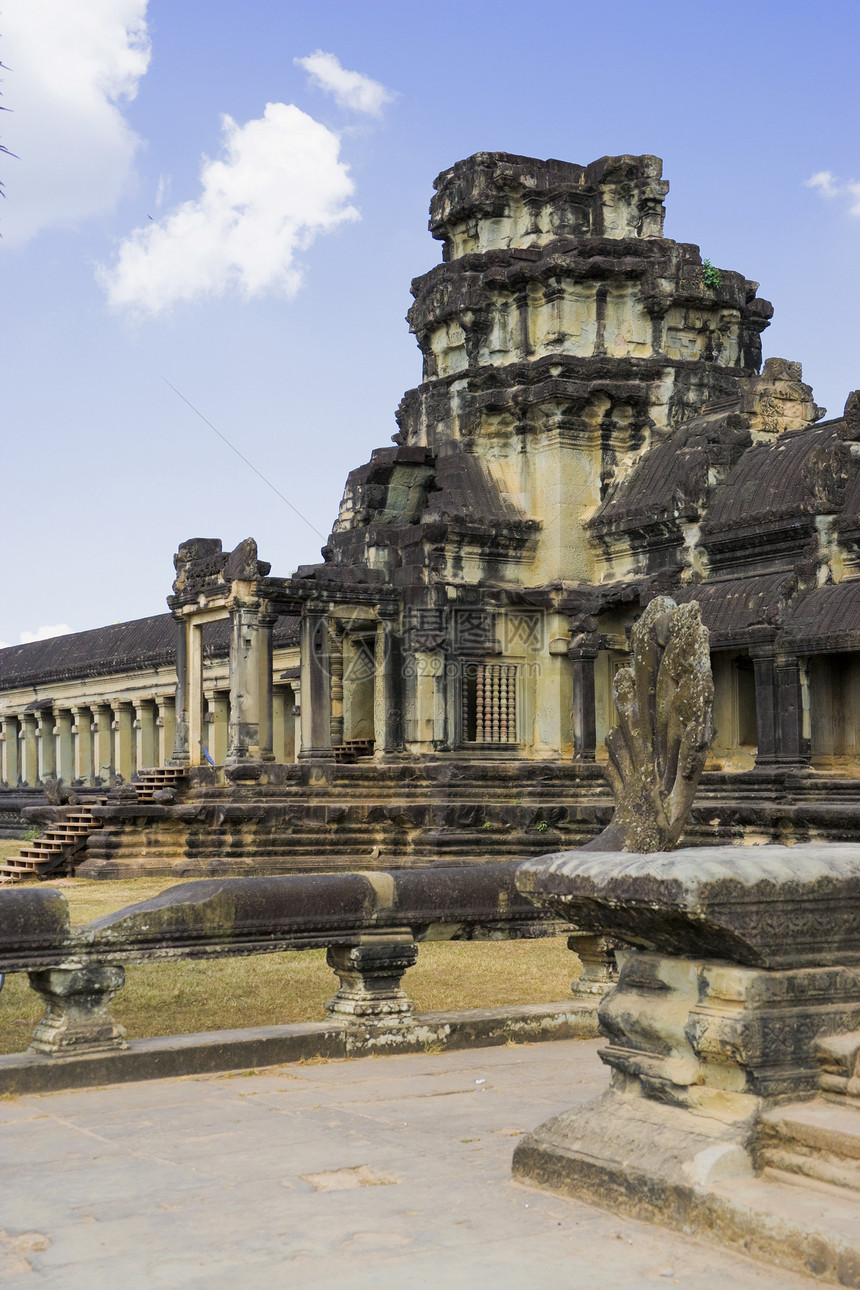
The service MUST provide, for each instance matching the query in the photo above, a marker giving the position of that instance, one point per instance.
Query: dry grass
(273, 989)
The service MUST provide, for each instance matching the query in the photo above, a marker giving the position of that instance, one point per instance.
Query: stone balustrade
(370, 923)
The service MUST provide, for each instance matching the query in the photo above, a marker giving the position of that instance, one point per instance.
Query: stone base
(167, 1057)
(693, 1174)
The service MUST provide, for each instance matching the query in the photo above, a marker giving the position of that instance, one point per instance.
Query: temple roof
(121, 647)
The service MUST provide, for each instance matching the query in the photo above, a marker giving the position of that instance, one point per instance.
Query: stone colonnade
(345, 690)
(89, 743)
(781, 700)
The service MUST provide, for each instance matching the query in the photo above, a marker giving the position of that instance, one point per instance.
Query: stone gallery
(594, 428)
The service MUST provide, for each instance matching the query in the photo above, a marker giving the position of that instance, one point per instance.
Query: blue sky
(163, 224)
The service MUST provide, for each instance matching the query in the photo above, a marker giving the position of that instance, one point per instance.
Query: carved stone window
(489, 697)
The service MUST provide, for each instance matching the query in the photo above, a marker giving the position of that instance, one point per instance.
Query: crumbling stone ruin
(593, 429)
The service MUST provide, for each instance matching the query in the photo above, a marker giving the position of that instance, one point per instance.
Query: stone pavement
(375, 1172)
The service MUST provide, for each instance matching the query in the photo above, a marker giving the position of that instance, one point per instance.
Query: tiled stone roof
(121, 647)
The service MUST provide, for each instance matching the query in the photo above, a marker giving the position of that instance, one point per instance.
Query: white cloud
(278, 184)
(829, 186)
(69, 67)
(45, 633)
(162, 190)
(350, 90)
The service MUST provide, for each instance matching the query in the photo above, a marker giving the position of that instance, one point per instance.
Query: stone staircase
(150, 781)
(819, 1139)
(53, 852)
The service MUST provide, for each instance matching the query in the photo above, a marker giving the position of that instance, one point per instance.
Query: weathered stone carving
(77, 1013)
(740, 1003)
(370, 994)
(657, 751)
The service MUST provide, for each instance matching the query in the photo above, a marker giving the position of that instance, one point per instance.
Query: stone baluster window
(490, 703)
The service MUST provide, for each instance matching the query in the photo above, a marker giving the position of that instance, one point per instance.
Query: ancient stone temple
(593, 428)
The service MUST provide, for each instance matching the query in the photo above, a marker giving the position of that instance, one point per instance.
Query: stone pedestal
(77, 1016)
(734, 1046)
(370, 998)
(599, 967)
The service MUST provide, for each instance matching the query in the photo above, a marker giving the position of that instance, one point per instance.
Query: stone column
(297, 717)
(336, 648)
(47, 745)
(77, 1013)
(28, 765)
(794, 749)
(388, 689)
(165, 726)
(180, 755)
(283, 726)
(250, 685)
(122, 729)
(316, 687)
(10, 752)
(82, 744)
(196, 705)
(219, 719)
(103, 764)
(584, 720)
(63, 722)
(145, 735)
(779, 711)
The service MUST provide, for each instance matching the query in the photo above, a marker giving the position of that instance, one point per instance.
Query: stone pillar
(122, 729)
(779, 711)
(265, 683)
(82, 745)
(794, 748)
(250, 685)
(63, 722)
(370, 996)
(165, 726)
(180, 755)
(196, 702)
(296, 685)
(47, 745)
(336, 647)
(316, 686)
(599, 968)
(388, 691)
(218, 713)
(103, 763)
(584, 720)
(145, 735)
(10, 752)
(77, 1013)
(28, 765)
(283, 726)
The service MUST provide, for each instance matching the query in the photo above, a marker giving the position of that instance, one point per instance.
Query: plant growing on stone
(711, 277)
(658, 749)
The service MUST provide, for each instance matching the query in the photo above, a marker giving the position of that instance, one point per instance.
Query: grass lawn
(273, 989)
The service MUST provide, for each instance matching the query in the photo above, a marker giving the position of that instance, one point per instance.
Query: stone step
(819, 1139)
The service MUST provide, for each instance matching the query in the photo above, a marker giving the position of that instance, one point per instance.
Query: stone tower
(562, 336)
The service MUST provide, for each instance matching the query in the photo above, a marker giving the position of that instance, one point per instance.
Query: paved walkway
(380, 1172)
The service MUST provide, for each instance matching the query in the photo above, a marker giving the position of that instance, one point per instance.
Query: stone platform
(372, 1174)
(329, 817)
